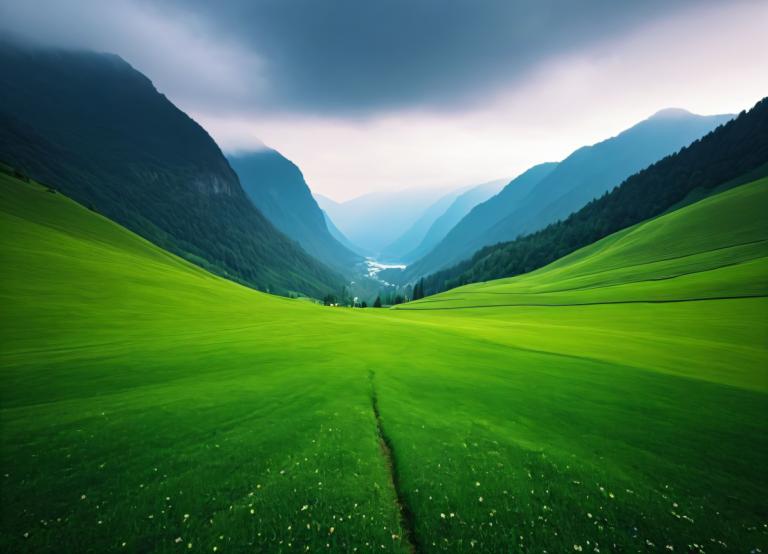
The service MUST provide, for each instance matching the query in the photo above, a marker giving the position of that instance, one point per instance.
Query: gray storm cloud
(343, 57)
(349, 55)
(375, 95)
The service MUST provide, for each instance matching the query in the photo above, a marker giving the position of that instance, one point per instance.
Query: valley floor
(616, 400)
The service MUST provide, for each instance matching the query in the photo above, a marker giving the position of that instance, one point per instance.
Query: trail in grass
(138, 390)
(406, 514)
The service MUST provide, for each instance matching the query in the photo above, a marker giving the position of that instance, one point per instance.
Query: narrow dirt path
(406, 515)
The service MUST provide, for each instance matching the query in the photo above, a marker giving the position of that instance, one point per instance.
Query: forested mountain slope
(734, 151)
(461, 205)
(94, 127)
(584, 175)
(277, 188)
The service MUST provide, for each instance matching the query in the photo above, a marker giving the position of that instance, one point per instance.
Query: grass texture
(616, 400)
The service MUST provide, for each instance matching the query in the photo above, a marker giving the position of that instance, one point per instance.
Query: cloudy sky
(389, 94)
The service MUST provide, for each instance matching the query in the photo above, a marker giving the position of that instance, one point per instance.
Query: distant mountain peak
(671, 113)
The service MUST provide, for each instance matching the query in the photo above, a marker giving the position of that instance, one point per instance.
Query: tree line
(734, 153)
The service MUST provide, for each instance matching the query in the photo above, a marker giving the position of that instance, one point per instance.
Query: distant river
(373, 267)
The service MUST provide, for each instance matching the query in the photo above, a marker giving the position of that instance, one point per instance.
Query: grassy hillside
(92, 126)
(708, 258)
(566, 187)
(723, 158)
(147, 405)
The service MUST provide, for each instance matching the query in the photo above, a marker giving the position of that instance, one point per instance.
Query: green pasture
(616, 400)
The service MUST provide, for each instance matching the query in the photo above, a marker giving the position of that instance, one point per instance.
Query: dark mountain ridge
(585, 174)
(733, 152)
(467, 235)
(93, 126)
(276, 186)
(462, 204)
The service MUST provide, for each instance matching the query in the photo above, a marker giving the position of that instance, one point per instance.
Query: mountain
(92, 126)
(341, 237)
(374, 221)
(397, 250)
(326, 204)
(587, 173)
(734, 153)
(277, 188)
(715, 248)
(468, 235)
(460, 207)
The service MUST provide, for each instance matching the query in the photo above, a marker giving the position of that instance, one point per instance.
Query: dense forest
(277, 188)
(730, 152)
(95, 128)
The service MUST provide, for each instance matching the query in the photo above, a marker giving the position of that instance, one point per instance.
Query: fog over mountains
(549, 192)
(374, 221)
(95, 128)
(277, 188)
(293, 240)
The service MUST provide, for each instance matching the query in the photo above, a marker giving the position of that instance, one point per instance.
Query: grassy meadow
(616, 400)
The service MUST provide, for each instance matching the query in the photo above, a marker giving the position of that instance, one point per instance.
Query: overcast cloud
(374, 95)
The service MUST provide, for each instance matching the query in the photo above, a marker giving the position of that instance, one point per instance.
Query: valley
(374, 267)
(299, 277)
(566, 408)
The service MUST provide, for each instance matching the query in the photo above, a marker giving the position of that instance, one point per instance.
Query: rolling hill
(148, 405)
(277, 188)
(713, 249)
(584, 175)
(727, 156)
(94, 127)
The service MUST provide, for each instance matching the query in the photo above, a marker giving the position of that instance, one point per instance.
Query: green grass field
(616, 400)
